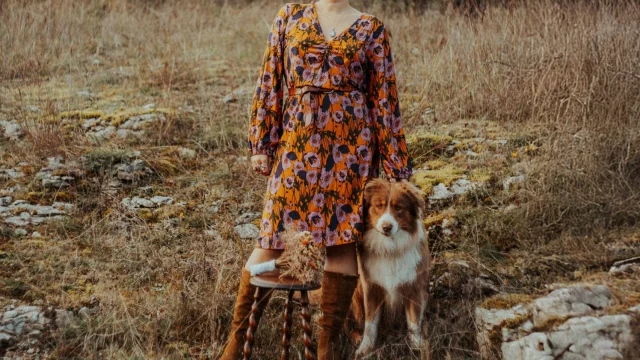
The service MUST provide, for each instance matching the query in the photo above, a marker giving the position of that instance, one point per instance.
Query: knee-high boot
(337, 290)
(241, 313)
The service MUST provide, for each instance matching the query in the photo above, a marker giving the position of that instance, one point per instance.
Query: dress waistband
(306, 91)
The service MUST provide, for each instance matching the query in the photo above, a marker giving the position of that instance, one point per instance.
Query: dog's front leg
(373, 300)
(414, 311)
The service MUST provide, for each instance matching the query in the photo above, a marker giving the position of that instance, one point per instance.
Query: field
(124, 174)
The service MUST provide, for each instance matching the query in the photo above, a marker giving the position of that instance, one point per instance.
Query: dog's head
(391, 207)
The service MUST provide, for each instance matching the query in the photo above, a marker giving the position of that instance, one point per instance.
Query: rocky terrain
(127, 204)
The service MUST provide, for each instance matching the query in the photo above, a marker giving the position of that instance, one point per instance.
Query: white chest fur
(391, 271)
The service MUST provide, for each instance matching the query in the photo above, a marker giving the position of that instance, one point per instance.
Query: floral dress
(321, 162)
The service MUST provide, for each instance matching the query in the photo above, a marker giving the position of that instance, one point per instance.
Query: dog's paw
(366, 346)
(415, 341)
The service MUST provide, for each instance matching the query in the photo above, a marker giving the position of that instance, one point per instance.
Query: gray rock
(12, 130)
(7, 174)
(64, 318)
(461, 186)
(440, 192)
(247, 231)
(90, 123)
(162, 200)
(570, 301)
(247, 217)
(186, 153)
(622, 266)
(506, 184)
(5, 201)
(20, 232)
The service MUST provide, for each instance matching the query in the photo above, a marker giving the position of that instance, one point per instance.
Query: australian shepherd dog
(394, 261)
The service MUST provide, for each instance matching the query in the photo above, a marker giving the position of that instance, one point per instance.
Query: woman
(319, 148)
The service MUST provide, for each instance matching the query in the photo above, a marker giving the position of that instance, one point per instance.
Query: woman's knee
(342, 259)
(259, 255)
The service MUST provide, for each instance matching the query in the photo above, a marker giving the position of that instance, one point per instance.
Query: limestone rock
(247, 217)
(11, 130)
(440, 192)
(569, 323)
(247, 231)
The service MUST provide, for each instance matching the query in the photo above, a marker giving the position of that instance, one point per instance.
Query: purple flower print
(289, 182)
(268, 206)
(337, 155)
(288, 221)
(308, 12)
(397, 124)
(356, 69)
(313, 60)
(302, 226)
(390, 70)
(378, 50)
(394, 144)
(346, 102)
(272, 100)
(312, 159)
(340, 214)
(267, 79)
(314, 140)
(364, 152)
(365, 134)
(261, 114)
(323, 119)
(326, 178)
(332, 237)
(264, 242)
(322, 79)
(315, 219)
(358, 112)
(394, 158)
(361, 35)
(318, 200)
(357, 97)
(266, 226)
(297, 167)
(333, 97)
(351, 159)
(286, 163)
(275, 185)
(384, 103)
(254, 132)
(342, 175)
(347, 235)
(354, 219)
(336, 79)
(317, 236)
(303, 25)
(379, 66)
(307, 74)
(364, 169)
(366, 24)
(312, 176)
(338, 116)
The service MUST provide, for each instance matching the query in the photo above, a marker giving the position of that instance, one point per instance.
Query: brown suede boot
(337, 291)
(241, 313)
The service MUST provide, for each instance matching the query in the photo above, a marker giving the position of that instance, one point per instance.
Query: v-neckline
(340, 34)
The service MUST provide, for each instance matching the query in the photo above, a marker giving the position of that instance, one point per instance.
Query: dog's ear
(373, 186)
(416, 195)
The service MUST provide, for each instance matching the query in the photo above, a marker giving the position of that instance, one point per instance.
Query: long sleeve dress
(322, 162)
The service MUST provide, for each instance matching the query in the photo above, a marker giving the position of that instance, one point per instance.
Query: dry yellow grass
(566, 71)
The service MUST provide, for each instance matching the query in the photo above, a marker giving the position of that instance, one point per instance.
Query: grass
(559, 80)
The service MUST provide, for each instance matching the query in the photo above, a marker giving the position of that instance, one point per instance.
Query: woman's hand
(261, 164)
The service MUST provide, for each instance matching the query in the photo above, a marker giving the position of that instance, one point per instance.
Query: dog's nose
(387, 227)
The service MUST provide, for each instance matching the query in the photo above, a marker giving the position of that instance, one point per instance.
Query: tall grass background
(566, 71)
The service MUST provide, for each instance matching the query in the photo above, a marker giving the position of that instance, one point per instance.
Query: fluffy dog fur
(394, 261)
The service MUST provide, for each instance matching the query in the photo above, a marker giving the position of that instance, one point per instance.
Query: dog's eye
(398, 208)
(379, 205)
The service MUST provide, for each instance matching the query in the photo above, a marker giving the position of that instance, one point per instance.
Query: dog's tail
(354, 324)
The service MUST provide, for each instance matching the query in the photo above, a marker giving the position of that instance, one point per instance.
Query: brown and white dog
(394, 259)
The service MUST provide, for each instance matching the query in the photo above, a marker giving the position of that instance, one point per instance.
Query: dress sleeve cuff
(261, 149)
